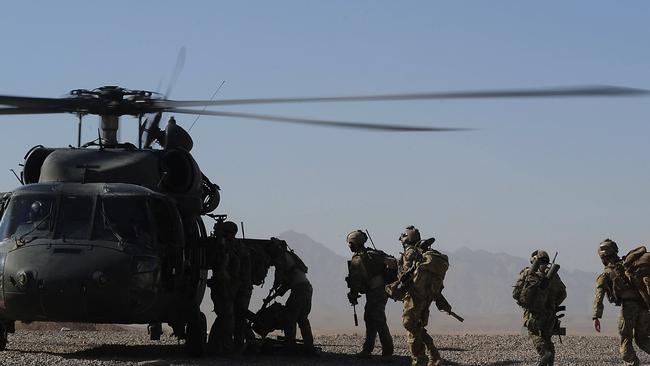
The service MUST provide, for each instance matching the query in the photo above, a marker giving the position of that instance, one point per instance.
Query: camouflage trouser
(220, 340)
(297, 310)
(633, 326)
(374, 315)
(242, 301)
(415, 318)
(540, 332)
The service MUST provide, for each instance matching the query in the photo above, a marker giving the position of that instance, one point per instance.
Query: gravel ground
(134, 348)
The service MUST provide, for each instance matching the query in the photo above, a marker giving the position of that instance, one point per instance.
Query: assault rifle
(443, 305)
(405, 281)
(274, 292)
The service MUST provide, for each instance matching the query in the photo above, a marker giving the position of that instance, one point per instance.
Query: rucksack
(299, 264)
(637, 270)
(375, 262)
(431, 271)
(528, 292)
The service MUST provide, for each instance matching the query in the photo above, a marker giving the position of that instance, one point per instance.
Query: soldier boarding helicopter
(111, 232)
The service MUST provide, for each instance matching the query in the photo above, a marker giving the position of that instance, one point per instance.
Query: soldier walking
(421, 275)
(634, 319)
(540, 291)
(366, 272)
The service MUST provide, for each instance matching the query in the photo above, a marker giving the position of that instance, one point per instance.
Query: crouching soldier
(291, 275)
(634, 320)
(540, 291)
(366, 271)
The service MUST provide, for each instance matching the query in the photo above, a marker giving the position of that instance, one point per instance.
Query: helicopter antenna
(203, 110)
(17, 177)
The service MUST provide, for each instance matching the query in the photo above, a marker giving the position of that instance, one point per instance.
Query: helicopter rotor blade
(574, 91)
(32, 102)
(320, 122)
(21, 110)
(178, 67)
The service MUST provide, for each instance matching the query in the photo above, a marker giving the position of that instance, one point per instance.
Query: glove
(352, 298)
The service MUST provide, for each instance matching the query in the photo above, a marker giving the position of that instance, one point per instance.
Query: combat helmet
(36, 211)
(357, 238)
(410, 236)
(230, 227)
(542, 255)
(607, 248)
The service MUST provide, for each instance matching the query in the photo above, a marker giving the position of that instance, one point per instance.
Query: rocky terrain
(104, 348)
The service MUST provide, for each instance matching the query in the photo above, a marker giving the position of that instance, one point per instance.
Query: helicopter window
(28, 216)
(74, 217)
(123, 219)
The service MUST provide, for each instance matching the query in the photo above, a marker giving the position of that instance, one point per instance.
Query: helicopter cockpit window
(28, 217)
(123, 219)
(75, 217)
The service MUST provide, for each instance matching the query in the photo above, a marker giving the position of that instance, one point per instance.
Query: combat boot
(438, 362)
(418, 361)
(363, 354)
(546, 359)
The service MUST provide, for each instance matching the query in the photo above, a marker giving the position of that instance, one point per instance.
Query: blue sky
(556, 174)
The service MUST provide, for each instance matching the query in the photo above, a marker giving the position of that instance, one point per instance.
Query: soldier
(223, 289)
(540, 293)
(423, 289)
(366, 276)
(291, 275)
(243, 287)
(634, 320)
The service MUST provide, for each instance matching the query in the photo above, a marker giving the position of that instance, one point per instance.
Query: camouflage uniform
(415, 316)
(367, 277)
(290, 277)
(634, 320)
(540, 319)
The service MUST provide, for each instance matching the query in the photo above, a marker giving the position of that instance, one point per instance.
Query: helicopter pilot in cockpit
(35, 220)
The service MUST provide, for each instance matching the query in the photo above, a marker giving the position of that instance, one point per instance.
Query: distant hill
(478, 285)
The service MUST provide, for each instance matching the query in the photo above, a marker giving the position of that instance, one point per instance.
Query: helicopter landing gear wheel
(3, 337)
(195, 339)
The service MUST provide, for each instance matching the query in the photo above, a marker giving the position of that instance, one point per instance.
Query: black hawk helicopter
(111, 232)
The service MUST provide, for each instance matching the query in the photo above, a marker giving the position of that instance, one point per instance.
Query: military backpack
(431, 270)
(637, 270)
(529, 292)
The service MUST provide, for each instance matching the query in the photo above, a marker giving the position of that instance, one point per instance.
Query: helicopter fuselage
(96, 252)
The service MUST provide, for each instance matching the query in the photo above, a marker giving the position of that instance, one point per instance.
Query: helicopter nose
(66, 283)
